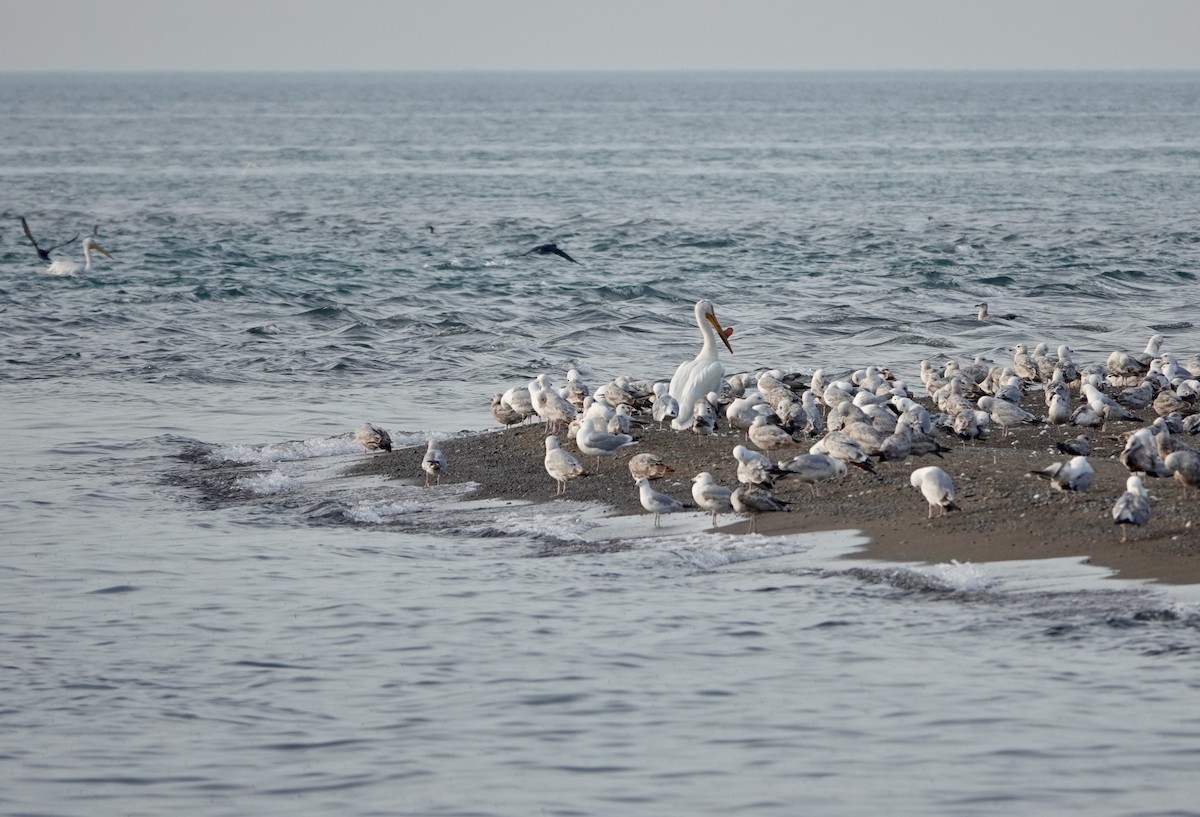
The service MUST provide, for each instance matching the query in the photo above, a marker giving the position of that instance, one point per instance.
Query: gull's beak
(723, 334)
(101, 250)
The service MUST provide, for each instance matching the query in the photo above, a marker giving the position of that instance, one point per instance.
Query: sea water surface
(199, 613)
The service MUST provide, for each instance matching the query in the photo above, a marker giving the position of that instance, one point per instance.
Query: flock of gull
(869, 416)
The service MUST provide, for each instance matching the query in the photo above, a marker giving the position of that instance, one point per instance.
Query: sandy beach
(1005, 512)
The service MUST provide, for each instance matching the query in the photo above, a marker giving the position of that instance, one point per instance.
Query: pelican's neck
(709, 349)
(87, 257)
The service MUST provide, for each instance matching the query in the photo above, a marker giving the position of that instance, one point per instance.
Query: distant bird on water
(43, 253)
(984, 315)
(550, 249)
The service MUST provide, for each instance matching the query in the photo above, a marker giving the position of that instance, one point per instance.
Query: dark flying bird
(44, 254)
(550, 249)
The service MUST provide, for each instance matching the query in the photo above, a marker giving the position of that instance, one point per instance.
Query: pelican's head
(90, 244)
(706, 310)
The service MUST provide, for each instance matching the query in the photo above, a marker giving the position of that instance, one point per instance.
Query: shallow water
(200, 613)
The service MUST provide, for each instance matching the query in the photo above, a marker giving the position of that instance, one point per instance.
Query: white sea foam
(294, 450)
(566, 527)
(711, 551)
(961, 577)
(272, 482)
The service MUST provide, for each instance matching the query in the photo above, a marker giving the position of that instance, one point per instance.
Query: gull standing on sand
(710, 496)
(655, 502)
(1132, 507)
(504, 414)
(665, 406)
(596, 442)
(754, 468)
(813, 468)
(433, 463)
(650, 466)
(767, 436)
(1070, 477)
(373, 438)
(694, 379)
(750, 501)
(936, 486)
(1004, 413)
(561, 465)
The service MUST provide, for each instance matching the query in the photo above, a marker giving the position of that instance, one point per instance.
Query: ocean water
(200, 613)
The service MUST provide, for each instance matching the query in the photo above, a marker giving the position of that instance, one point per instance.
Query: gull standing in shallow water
(655, 502)
(710, 496)
(750, 500)
(560, 464)
(433, 463)
(936, 486)
(696, 378)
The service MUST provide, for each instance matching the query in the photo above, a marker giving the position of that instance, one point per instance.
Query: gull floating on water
(433, 463)
(695, 378)
(561, 465)
(936, 486)
(373, 438)
(1132, 507)
(984, 315)
(655, 502)
(710, 496)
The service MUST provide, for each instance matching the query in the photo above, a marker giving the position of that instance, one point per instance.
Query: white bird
(561, 465)
(750, 500)
(1132, 507)
(1005, 414)
(1070, 477)
(373, 438)
(694, 379)
(519, 400)
(983, 314)
(655, 502)
(433, 463)
(1185, 464)
(754, 468)
(594, 441)
(936, 486)
(812, 468)
(767, 436)
(61, 267)
(665, 406)
(710, 496)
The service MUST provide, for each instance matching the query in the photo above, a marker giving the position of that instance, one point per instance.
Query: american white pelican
(696, 378)
(373, 438)
(710, 496)
(655, 502)
(1132, 507)
(936, 486)
(71, 267)
(560, 464)
(433, 463)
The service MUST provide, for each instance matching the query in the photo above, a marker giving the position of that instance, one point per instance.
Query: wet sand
(1005, 513)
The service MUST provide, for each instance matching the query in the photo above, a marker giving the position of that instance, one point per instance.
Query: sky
(556, 35)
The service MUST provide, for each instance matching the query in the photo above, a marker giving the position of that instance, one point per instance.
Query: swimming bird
(710, 496)
(694, 379)
(43, 253)
(655, 502)
(550, 249)
(61, 267)
(433, 463)
(1070, 477)
(984, 315)
(595, 441)
(650, 466)
(936, 486)
(1132, 507)
(812, 468)
(751, 500)
(373, 438)
(561, 465)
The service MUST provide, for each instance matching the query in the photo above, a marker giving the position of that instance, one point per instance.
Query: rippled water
(200, 614)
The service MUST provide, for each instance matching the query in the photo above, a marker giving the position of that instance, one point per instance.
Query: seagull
(596, 442)
(694, 379)
(71, 267)
(655, 502)
(812, 468)
(433, 463)
(1072, 476)
(710, 496)
(1140, 455)
(665, 406)
(1005, 414)
(373, 438)
(504, 414)
(1132, 507)
(767, 436)
(1076, 446)
(750, 500)
(936, 486)
(754, 468)
(560, 464)
(1185, 463)
(520, 400)
(984, 315)
(43, 254)
(650, 466)
(550, 249)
